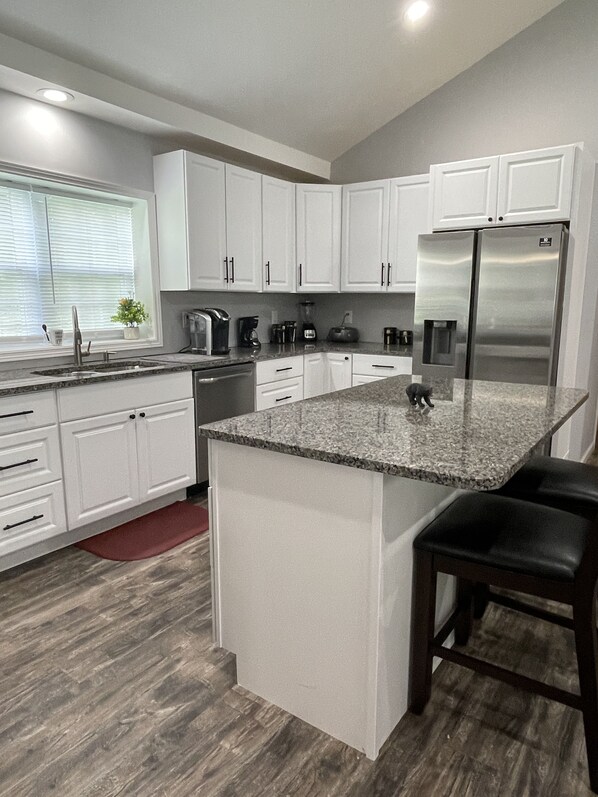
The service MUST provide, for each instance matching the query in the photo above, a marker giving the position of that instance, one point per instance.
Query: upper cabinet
(209, 224)
(318, 238)
(521, 188)
(382, 220)
(278, 239)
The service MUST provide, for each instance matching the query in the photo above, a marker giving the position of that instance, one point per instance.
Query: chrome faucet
(78, 340)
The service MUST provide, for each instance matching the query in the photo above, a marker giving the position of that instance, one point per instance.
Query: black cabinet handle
(346, 358)
(489, 218)
(382, 276)
(18, 464)
(300, 274)
(142, 414)
(132, 416)
(288, 368)
(226, 269)
(382, 366)
(284, 398)
(388, 274)
(15, 414)
(500, 218)
(232, 269)
(21, 522)
(268, 273)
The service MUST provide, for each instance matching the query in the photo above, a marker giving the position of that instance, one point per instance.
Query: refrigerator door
(518, 289)
(442, 304)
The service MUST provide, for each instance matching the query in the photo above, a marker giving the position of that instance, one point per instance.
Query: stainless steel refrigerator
(487, 304)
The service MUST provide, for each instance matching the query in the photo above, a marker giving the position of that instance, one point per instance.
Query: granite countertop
(476, 437)
(29, 380)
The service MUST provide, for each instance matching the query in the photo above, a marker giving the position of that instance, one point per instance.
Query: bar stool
(520, 546)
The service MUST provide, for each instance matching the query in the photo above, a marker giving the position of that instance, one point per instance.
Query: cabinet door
(100, 467)
(314, 375)
(206, 222)
(244, 229)
(339, 371)
(278, 235)
(275, 394)
(365, 236)
(166, 448)
(464, 193)
(409, 218)
(318, 238)
(536, 186)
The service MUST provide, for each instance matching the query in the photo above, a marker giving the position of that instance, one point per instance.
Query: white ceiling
(315, 75)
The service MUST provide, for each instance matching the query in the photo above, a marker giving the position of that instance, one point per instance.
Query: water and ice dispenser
(440, 342)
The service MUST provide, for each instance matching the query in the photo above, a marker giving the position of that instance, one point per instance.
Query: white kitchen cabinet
(315, 374)
(165, 449)
(100, 466)
(536, 186)
(360, 379)
(31, 516)
(464, 193)
(243, 229)
(275, 394)
(383, 366)
(339, 371)
(517, 188)
(29, 458)
(382, 220)
(318, 238)
(364, 250)
(278, 235)
(279, 368)
(209, 217)
(409, 218)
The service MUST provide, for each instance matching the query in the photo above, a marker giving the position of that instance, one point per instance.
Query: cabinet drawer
(27, 411)
(360, 379)
(31, 516)
(284, 368)
(28, 459)
(103, 398)
(385, 365)
(277, 393)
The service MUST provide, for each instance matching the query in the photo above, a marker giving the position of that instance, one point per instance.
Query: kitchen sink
(97, 369)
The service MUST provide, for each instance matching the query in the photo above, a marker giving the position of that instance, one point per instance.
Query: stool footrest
(534, 611)
(448, 626)
(507, 676)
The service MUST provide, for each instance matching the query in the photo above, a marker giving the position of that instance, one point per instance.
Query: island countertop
(476, 437)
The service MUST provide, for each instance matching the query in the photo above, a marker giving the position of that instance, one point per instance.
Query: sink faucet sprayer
(78, 340)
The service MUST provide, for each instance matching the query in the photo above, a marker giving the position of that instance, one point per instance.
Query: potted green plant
(130, 314)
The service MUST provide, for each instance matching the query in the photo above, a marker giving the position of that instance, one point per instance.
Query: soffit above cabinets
(314, 77)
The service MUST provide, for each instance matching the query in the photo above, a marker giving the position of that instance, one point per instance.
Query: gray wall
(370, 313)
(539, 89)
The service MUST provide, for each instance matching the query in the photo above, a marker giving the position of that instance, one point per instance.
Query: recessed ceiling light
(417, 10)
(56, 95)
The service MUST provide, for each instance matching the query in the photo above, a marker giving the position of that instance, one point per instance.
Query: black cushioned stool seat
(538, 550)
(572, 486)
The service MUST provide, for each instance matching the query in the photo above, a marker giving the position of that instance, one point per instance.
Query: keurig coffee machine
(208, 329)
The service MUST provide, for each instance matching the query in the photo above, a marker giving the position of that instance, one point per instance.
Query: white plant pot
(131, 333)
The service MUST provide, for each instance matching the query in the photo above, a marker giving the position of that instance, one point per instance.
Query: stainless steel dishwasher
(220, 393)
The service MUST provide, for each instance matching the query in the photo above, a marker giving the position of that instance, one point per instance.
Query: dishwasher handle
(212, 379)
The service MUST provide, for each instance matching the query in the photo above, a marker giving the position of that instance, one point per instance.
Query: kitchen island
(314, 508)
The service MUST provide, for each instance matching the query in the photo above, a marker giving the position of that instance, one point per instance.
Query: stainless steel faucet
(78, 340)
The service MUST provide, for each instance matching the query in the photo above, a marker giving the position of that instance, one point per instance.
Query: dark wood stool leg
(422, 631)
(480, 600)
(465, 593)
(584, 622)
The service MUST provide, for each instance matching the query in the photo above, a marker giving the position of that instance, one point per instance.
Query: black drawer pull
(21, 522)
(15, 414)
(18, 464)
(288, 368)
(382, 366)
(283, 398)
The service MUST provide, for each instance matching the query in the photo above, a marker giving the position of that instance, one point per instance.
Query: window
(60, 247)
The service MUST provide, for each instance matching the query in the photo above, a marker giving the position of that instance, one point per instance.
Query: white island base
(312, 585)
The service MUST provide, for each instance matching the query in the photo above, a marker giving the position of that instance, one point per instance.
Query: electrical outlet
(274, 317)
(348, 316)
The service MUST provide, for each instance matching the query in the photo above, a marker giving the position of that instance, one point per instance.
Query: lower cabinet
(339, 371)
(361, 379)
(274, 394)
(31, 516)
(325, 372)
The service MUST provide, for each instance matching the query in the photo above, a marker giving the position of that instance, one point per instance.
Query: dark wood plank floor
(110, 686)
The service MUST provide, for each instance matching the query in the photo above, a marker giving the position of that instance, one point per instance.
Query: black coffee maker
(247, 332)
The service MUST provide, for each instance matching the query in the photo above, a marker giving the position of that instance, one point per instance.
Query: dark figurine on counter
(415, 394)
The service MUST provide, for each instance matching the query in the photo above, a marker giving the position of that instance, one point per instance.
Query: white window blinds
(56, 251)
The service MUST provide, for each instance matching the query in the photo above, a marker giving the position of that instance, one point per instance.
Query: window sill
(47, 351)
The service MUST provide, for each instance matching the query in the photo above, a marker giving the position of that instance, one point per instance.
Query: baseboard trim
(588, 453)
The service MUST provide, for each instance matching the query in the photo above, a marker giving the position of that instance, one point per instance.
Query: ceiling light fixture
(56, 95)
(417, 10)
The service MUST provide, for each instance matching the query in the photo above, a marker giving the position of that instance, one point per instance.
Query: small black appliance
(247, 332)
